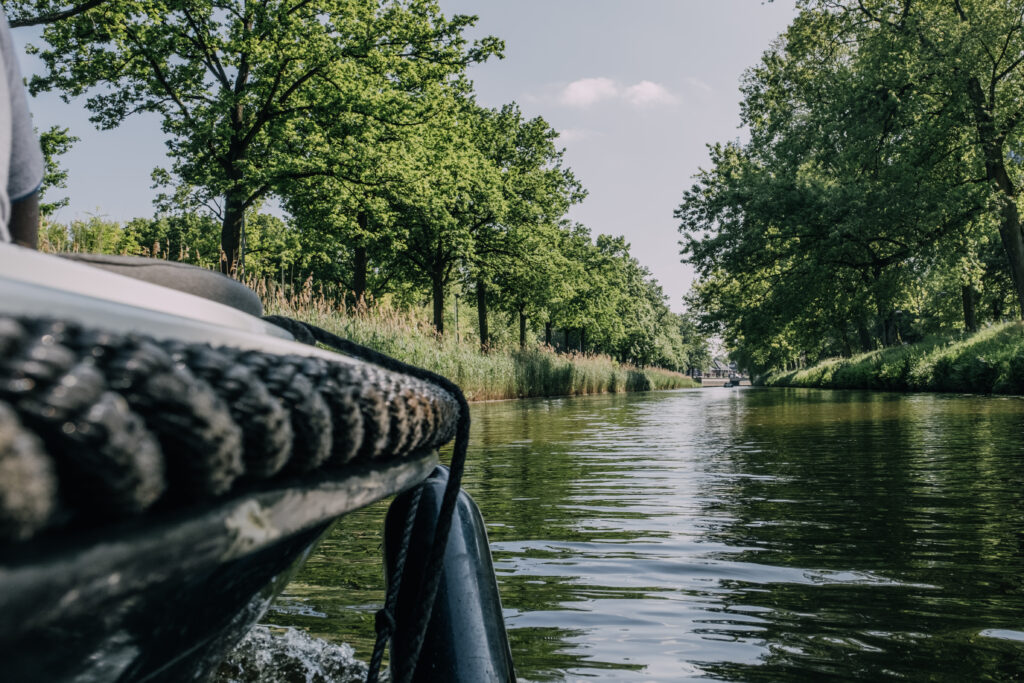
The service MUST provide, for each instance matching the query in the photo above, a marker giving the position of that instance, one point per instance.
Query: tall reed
(501, 373)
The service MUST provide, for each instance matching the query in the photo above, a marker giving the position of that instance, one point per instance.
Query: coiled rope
(310, 334)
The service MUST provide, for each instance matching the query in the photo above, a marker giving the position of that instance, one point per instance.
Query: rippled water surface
(732, 534)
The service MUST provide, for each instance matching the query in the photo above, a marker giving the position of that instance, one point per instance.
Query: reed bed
(501, 373)
(990, 361)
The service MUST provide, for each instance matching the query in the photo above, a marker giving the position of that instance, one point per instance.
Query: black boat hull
(165, 600)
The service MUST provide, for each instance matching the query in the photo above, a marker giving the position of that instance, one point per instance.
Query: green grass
(987, 362)
(499, 374)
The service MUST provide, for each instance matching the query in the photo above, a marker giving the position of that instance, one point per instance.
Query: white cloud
(647, 94)
(587, 91)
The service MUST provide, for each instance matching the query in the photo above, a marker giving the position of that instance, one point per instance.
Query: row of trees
(580, 294)
(877, 197)
(357, 119)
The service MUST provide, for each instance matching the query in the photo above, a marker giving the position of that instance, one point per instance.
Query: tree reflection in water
(737, 535)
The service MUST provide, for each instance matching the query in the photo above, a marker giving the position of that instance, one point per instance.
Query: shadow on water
(734, 535)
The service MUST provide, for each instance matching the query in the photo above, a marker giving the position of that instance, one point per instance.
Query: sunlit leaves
(871, 167)
(251, 95)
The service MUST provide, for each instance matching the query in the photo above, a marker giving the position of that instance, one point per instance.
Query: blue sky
(637, 88)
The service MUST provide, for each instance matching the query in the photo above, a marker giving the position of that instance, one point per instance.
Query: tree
(964, 63)
(55, 142)
(611, 301)
(454, 191)
(515, 251)
(694, 352)
(859, 177)
(346, 219)
(233, 81)
(531, 282)
(579, 304)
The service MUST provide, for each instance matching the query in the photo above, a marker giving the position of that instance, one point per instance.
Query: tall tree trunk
(547, 333)
(992, 142)
(231, 232)
(970, 297)
(864, 336)
(583, 340)
(845, 339)
(437, 287)
(234, 197)
(522, 329)
(359, 260)
(481, 312)
(1013, 243)
(886, 326)
(565, 347)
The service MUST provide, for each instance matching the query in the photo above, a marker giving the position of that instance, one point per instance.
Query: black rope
(309, 334)
(385, 621)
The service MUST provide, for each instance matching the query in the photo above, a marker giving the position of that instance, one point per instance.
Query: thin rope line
(386, 616)
(427, 593)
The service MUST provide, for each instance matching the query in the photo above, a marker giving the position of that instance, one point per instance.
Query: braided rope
(432, 573)
(98, 425)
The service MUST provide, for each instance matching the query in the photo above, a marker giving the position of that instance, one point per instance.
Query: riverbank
(501, 373)
(990, 361)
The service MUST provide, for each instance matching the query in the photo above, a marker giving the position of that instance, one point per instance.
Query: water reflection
(737, 535)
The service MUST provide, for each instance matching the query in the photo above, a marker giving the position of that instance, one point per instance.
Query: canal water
(731, 534)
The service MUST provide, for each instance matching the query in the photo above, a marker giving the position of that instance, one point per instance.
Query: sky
(636, 89)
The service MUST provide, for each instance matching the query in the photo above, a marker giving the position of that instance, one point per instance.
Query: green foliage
(873, 203)
(188, 238)
(517, 255)
(649, 334)
(253, 96)
(93, 236)
(989, 361)
(356, 116)
(54, 143)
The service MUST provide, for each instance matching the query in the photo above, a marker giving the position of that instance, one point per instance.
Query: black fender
(466, 640)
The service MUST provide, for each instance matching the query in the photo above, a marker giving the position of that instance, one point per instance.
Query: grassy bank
(989, 361)
(498, 374)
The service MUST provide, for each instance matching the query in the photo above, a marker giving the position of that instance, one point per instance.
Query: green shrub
(988, 361)
(1011, 379)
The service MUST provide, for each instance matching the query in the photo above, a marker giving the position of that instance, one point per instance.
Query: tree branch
(209, 56)
(265, 114)
(54, 17)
